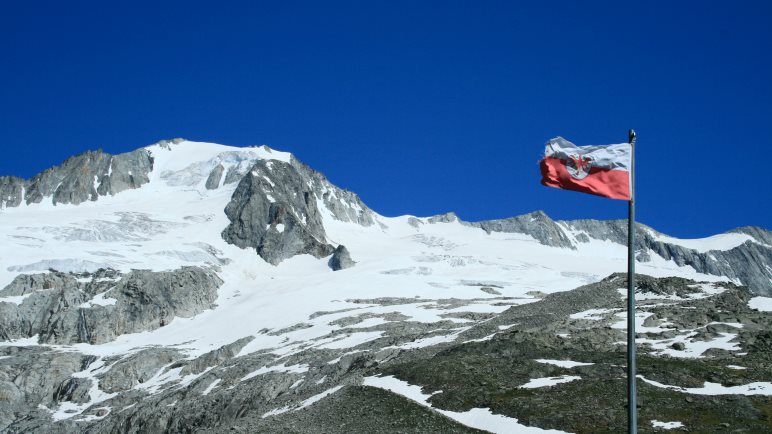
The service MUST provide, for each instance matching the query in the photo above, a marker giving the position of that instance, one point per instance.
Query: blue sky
(420, 107)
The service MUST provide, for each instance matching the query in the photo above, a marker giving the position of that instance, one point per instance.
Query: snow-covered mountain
(190, 285)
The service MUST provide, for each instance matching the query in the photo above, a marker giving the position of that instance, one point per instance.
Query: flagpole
(632, 416)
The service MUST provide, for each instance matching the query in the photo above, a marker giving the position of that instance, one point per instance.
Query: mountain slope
(265, 325)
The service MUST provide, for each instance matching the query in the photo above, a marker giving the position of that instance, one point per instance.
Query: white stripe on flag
(611, 157)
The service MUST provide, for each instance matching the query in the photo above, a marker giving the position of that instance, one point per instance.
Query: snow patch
(480, 418)
(211, 387)
(763, 304)
(15, 299)
(758, 388)
(726, 241)
(308, 402)
(666, 425)
(563, 363)
(99, 300)
(692, 348)
(549, 381)
(299, 369)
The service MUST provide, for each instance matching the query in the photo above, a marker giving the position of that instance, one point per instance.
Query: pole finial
(631, 134)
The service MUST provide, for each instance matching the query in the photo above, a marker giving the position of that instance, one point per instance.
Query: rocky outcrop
(89, 175)
(760, 234)
(62, 310)
(536, 224)
(275, 211)
(215, 357)
(342, 204)
(213, 181)
(341, 259)
(136, 368)
(448, 217)
(11, 191)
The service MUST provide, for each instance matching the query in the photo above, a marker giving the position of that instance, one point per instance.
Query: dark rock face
(11, 191)
(33, 376)
(89, 175)
(341, 259)
(62, 310)
(275, 211)
(73, 390)
(751, 263)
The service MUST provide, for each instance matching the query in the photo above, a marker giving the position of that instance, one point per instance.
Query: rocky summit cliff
(196, 287)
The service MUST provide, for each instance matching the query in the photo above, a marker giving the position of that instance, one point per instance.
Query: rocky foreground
(705, 358)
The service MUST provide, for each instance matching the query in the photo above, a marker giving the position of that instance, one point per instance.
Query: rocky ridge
(749, 263)
(80, 178)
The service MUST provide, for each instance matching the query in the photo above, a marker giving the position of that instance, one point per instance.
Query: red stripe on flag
(614, 184)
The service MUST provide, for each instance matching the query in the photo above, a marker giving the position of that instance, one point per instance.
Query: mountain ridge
(94, 174)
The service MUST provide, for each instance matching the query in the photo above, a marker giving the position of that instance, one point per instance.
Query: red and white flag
(600, 170)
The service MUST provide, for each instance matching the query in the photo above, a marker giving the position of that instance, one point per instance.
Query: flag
(600, 170)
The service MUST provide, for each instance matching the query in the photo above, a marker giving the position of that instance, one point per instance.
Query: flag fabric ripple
(603, 170)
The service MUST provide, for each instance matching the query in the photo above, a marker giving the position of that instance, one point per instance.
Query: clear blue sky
(420, 107)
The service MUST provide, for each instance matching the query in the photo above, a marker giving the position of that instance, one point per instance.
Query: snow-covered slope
(432, 268)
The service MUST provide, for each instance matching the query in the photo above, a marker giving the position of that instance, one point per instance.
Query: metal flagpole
(632, 412)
